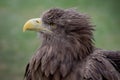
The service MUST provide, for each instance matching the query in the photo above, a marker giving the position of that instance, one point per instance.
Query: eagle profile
(67, 51)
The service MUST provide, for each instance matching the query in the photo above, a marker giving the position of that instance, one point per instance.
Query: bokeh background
(16, 47)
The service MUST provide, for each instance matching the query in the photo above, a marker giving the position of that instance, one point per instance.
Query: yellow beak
(35, 25)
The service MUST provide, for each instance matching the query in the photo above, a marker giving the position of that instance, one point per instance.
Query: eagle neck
(77, 46)
(61, 53)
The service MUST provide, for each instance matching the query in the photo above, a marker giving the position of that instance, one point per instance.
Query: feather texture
(69, 53)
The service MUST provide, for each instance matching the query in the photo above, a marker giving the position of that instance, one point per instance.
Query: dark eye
(37, 21)
(51, 24)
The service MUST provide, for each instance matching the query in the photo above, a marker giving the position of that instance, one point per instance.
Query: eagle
(68, 51)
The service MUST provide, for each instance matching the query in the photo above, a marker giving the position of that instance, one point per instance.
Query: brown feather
(69, 53)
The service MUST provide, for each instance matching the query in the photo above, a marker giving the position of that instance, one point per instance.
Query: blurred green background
(16, 47)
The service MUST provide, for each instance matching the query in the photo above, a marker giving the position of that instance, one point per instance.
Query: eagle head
(59, 21)
(67, 27)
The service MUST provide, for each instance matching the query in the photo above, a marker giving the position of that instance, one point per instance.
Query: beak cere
(35, 25)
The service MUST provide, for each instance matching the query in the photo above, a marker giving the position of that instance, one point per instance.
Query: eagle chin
(68, 51)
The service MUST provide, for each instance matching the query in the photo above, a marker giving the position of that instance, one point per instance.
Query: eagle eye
(51, 24)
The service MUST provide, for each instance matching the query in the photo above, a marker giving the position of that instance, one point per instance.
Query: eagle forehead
(52, 15)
